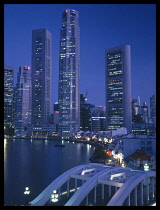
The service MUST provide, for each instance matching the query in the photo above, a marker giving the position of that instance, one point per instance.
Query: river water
(36, 163)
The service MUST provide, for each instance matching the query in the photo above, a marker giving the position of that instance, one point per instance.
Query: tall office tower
(41, 75)
(118, 88)
(23, 100)
(153, 108)
(69, 74)
(144, 112)
(8, 97)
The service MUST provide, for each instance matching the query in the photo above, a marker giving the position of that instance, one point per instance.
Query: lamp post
(146, 167)
(26, 192)
(54, 196)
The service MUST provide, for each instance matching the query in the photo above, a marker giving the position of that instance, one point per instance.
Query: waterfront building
(118, 88)
(98, 119)
(41, 130)
(8, 99)
(23, 100)
(69, 74)
(153, 108)
(41, 75)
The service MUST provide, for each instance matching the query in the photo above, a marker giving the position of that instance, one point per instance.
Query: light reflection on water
(36, 163)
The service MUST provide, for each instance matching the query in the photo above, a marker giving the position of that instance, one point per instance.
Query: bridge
(99, 183)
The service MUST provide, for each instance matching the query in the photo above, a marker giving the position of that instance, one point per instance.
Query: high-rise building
(69, 74)
(153, 108)
(98, 119)
(118, 88)
(23, 100)
(144, 112)
(8, 97)
(41, 75)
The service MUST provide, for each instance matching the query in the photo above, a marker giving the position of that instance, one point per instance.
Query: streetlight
(26, 192)
(146, 167)
(54, 196)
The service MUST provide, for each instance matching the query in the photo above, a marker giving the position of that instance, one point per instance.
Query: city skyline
(104, 32)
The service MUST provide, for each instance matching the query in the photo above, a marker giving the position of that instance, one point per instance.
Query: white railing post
(141, 185)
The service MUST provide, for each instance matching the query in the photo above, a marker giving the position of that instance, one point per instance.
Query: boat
(59, 145)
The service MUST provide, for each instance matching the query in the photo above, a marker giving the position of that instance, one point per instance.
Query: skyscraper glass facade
(69, 74)
(118, 88)
(23, 100)
(8, 95)
(41, 75)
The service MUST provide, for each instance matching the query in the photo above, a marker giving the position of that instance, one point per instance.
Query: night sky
(102, 26)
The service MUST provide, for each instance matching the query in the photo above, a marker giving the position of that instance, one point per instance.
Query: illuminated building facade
(118, 88)
(41, 75)
(23, 100)
(69, 74)
(8, 96)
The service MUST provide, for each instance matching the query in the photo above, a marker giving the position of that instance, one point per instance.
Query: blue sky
(102, 26)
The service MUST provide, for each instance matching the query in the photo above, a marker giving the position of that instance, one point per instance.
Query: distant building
(69, 74)
(85, 114)
(147, 144)
(118, 88)
(8, 98)
(136, 111)
(23, 100)
(144, 128)
(98, 119)
(144, 112)
(153, 108)
(41, 75)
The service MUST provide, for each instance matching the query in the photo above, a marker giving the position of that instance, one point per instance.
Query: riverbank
(99, 143)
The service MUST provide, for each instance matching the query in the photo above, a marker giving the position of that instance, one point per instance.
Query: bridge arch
(84, 190)
(44, 196)
(123, 192)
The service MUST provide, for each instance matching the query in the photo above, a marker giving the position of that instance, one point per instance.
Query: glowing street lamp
(146, 167)
(26, 192)
(54, 196)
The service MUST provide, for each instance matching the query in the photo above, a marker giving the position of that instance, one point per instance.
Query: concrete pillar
(152, 187)
(95, 195)
(135, 196)
(75, 184)
(128, 200)
(102, 191)
(147, 189)
(87, 200)
(141, 193)
(68, 188)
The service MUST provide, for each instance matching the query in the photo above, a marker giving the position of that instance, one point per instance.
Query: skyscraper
(118, 88)
(8, 96)
(23, 100)
(69, 74)
(41, 75)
